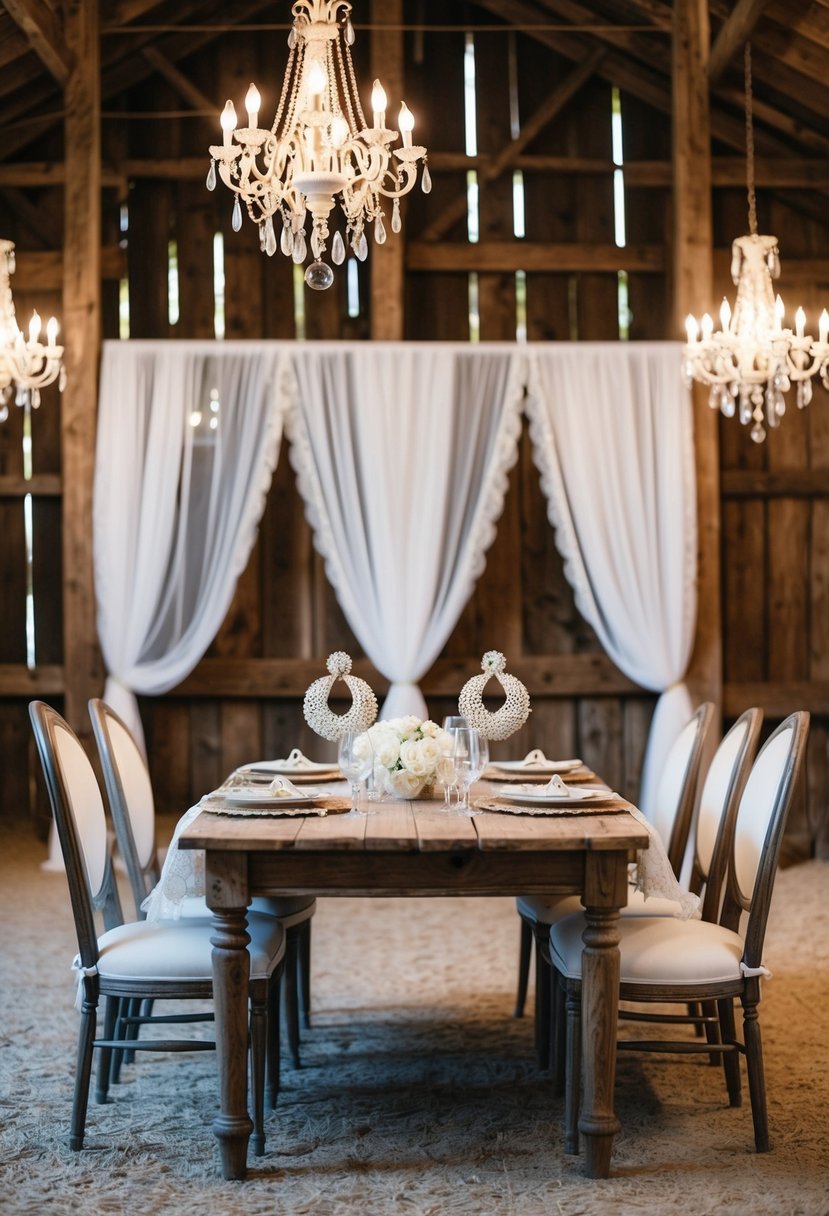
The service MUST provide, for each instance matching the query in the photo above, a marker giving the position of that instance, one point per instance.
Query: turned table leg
(605, 893)
(226, 892)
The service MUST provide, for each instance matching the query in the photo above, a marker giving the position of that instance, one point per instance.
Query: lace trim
(182, 876)
(654, 875)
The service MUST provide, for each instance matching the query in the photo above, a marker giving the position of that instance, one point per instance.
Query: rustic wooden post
(692, 271)
(82, 339)
(387, 261)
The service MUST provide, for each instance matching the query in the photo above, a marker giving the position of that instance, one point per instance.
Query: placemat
(319, 807)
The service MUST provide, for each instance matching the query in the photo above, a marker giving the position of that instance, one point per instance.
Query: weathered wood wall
(245, 697)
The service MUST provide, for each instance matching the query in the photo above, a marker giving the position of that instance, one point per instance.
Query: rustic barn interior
(588, 160)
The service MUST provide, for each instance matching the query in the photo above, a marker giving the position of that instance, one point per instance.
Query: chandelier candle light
(753, 360)
(318, 149)
(26, 365)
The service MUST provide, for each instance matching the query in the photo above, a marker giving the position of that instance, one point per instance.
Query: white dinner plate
(548, 767)
(276, 768)
(259, 798)
(531, 793)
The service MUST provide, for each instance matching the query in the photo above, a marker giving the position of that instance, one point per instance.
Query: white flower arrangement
(406, 754)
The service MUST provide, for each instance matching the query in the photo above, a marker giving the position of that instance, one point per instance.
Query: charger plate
(537, 768)
(528, 775)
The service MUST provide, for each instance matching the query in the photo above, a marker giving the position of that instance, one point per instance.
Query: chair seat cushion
(290, 909)
(657, 950)
(181, 949)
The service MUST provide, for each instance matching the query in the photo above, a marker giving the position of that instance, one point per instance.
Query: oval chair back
(677, 786)
(758, 832)
(721, 791)
(78, 809)
(130, 796)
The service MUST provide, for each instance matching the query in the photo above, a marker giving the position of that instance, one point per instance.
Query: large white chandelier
(753, 360)
(319, 149)
(26, 365)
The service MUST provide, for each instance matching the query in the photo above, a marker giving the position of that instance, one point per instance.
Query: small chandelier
(25, 366)
(319, 149)
(752, 361)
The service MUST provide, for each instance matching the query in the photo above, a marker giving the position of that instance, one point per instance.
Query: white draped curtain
(402, 453)
(612, 432)
(188, 438)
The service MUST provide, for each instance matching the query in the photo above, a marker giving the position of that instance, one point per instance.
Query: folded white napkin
(557, 787)
(281, 787)
(295, 760)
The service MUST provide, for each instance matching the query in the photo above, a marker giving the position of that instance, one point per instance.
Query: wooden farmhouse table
(415, 848)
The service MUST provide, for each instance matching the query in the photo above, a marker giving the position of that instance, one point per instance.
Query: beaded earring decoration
(315, 706)
(513, 713)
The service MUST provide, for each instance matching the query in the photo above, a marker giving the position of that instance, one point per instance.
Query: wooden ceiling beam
(504, 257)
(175, 77)
(122, 12)
(44, 34)
(736, 31)
(782, 46)
(503, 160)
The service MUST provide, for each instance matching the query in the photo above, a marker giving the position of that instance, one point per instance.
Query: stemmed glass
(445, 770)
(471, 758)
(355, 757)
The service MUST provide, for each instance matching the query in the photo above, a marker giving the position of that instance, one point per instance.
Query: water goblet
(356, 760)
(445, 770)
(471, 758)
(454, 722)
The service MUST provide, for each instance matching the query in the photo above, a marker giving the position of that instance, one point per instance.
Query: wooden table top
(420, 826)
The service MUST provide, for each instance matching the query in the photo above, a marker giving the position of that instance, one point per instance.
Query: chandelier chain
(752, 196)
(285, 82)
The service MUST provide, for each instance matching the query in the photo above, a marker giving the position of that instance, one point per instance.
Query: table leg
(231, 976)
(605, 893)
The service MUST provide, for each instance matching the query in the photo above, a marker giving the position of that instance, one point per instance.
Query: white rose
(404, 783)
(429, 754)
(386, 746)
(413, 758)
(429, 729)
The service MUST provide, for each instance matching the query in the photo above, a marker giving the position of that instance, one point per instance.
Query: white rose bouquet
(406, 754)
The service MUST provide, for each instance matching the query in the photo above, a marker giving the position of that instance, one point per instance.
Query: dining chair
(672, 961)
(674, 802)
(132, 808)
(140, 961)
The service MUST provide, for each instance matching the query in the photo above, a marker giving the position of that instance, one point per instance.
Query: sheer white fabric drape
(402, 454)
(177, 502)
(612, 432)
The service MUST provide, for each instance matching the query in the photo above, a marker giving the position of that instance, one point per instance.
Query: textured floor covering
(418, 1093)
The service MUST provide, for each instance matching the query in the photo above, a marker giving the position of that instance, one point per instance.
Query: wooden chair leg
(542, 999)
(524, 957)
(305, 972)
(558, 1033)
(708, 1010)
(273, 1040)
(730, 1059)
(111, 1010)
(572, 1088)
(756, 1075)
(258, 1040)
(83, 1074)
(291, 998)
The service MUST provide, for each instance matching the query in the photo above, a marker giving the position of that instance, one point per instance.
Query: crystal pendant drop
(236, 219)
(804, 393)
(426, 181)
(286, 241)
(396, 222)
(211, 176)
(362, 247)
(379, 231)
(4, 412)
(348, 33)
(300, 248)
(35, 398)
(319, 276)
(317, 244)
(291, 38)
(338, 249)
(758, 432)
(270, 239)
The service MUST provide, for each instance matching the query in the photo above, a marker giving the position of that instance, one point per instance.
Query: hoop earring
(323, 720)
(513, 713)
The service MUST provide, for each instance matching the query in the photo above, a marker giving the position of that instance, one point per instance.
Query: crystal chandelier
(25, 366)
(753, 360)
(319, 149)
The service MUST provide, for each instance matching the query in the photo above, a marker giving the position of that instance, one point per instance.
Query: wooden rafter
(44, 34)
(546, 112)
(181, 83)
(734, 34)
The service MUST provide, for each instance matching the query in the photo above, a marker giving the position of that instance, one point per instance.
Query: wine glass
(445, 770)
(355, 757)
(454, 722)
(471, 758)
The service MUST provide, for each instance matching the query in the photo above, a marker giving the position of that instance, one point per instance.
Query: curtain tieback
(750, 972)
